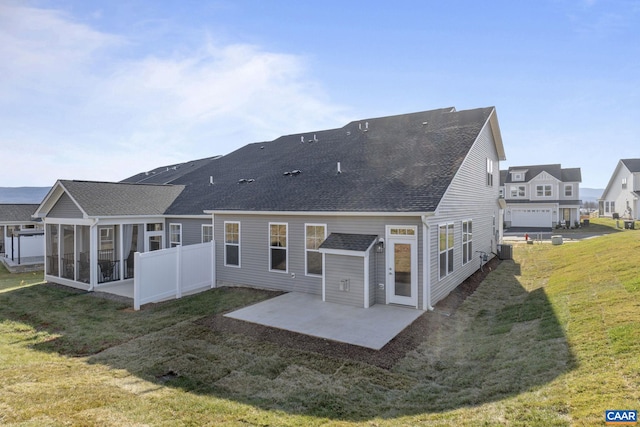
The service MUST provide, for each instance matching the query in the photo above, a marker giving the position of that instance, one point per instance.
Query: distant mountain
(23, 194)
(590, 194)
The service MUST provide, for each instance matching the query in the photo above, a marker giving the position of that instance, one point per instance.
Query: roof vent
(287, 173)
(339, 169)
(211, 180)
(301, 138)
(314, 138)
(296, 172)
(424, 123)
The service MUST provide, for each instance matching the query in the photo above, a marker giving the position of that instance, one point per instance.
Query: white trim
(453, 232)
(202, 232)
(171, 242)
(320, 213)
(286, 247)
(224, 242)
(344, 252)
(411, 239)
(366, 279)
(306, 250)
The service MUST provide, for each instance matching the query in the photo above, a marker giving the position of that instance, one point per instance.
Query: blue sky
(101, 90)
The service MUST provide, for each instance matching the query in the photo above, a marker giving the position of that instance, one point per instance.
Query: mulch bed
(386, 357)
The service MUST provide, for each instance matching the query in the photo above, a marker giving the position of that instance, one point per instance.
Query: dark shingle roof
(168, 174)
(632, 164)
(555, 170)
(401, 163)
(16, 212)
(113, 199)
(348, 242)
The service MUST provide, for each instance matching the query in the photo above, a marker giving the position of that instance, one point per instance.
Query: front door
(401, 265)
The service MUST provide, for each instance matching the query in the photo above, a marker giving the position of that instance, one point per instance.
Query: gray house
(391, 210)
(541, 196)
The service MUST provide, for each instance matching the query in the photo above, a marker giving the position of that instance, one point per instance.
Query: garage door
(531, 217)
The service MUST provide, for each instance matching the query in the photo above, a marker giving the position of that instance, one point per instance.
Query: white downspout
(93, 254)
(426, 266)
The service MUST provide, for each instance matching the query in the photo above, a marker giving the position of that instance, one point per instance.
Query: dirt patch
(386, 357)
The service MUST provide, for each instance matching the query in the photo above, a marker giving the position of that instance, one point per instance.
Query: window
(232, 244)
(490, 172)
(277, 247)
(517, 191)
(568, 190)
(155, 227)
(467, 244)
(207, 233)
(314, 236)
(543, 190)
(403, 231)
(106, 238)
(446, 249)
(175, 235)
(624, 183)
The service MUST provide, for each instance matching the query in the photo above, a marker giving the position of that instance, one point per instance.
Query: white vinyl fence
(170, 273)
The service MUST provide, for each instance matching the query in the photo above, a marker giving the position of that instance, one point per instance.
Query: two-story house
(541, 196)
(622, 192)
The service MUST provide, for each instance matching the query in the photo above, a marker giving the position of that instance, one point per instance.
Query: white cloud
(87, 113)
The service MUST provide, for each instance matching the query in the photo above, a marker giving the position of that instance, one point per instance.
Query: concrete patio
(307, 314)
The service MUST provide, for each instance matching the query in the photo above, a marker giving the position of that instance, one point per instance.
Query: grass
(551, 338)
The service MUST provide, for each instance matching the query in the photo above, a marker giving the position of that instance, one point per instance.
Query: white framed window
(314, 235)
(624, 183)
(517, 191)
(445, 249)
(568, 190)
(467, 241)
(278, 254)
(231, 244)
(207, 233)
(106, 238)
(489, 172)
(175, 235)
(544, 190)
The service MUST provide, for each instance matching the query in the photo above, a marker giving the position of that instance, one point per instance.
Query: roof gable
(103, 199)
(632, 164)
(536, 172)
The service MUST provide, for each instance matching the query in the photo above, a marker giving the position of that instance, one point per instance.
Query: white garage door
(531, 217)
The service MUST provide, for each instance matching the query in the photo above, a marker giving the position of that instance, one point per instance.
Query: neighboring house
(620, 197)
(20, 236)
(391, 210)
(541, 196)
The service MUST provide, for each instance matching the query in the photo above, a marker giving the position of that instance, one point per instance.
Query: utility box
(505, 252)
(556, 240)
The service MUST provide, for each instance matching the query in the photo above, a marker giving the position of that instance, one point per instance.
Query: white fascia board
(320, 213)
(360, 254)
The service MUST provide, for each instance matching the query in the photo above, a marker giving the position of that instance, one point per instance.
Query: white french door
(401, 265)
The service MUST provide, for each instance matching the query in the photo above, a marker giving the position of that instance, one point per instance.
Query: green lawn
(551, 338)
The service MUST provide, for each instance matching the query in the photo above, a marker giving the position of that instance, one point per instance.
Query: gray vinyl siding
(343, 267)
(372, 284)
(467, 198)
(254, 250)
(65, 208)
(191, 229)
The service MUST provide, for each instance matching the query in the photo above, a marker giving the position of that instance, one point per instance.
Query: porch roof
(348, 242)
(102, 199)
(16, 212)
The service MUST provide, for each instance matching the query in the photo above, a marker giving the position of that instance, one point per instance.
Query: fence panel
(168, 273)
